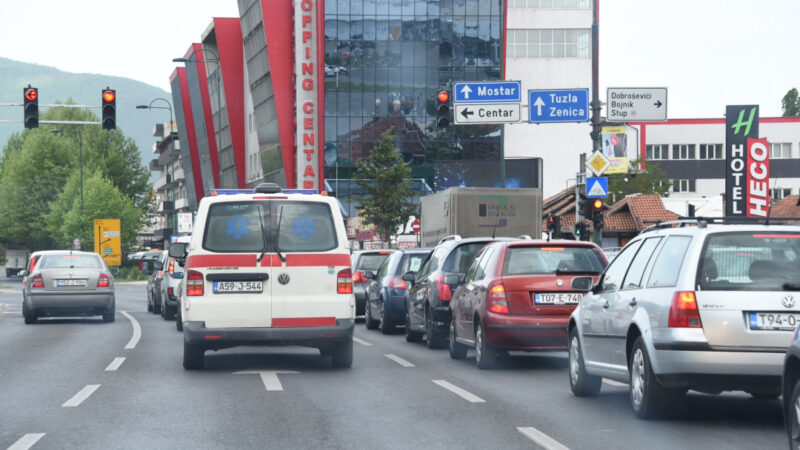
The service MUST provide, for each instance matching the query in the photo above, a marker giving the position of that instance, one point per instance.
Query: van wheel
(342, 354)
(485, 356)
(411, 335)
(371, 323)
(648, 398)
(178, 318)
(193, 356)
(581, 383)
(457, 349)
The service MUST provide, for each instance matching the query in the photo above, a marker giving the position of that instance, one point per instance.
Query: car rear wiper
(791, 287)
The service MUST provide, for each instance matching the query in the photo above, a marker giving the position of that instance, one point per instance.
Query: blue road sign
(558, 105)
(487, 92)
(597, 187)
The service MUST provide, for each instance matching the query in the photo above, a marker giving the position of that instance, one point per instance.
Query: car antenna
(769, 207)
(494, 228)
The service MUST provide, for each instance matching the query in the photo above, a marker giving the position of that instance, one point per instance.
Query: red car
(518, 295)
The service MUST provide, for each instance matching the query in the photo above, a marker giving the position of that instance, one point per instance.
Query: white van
(267, 267)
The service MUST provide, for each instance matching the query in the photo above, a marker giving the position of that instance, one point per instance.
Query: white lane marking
(268, 377)
(27, 441)
(542, 439)
(399, 360)
(615, 383)
(361, 341)
(115, 364)
(468, 396)
(137, 332)
(78, 398)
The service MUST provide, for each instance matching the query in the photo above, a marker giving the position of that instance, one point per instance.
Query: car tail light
(169, 292)
(171, 267)
(498, 303)
(37, 281)
(102, 280)
(398, 283)
(442, 289)
(344, 281)
(683, 312)
(194, 283)
(160, 274)
(358, 277)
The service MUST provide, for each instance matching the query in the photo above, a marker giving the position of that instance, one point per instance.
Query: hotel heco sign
(746, 163)
(307, 94)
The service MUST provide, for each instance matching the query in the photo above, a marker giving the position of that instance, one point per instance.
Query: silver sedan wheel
(637, 377)
(574, 362)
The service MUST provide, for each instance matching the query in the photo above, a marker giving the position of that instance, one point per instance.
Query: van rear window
(236, 227)
(749, 261)
(304, 227)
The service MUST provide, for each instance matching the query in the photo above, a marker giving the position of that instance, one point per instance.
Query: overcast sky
(708, 53)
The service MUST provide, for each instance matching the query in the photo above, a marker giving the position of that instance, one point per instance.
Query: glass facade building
(385, 61)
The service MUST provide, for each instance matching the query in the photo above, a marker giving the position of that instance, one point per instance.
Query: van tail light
(37, 281)
(398, 283)
(194, 283)
(344, 281)
(103, 281)
(358, 277)
(171, 267)
(442, 289)
(497, 301)
(683, 312)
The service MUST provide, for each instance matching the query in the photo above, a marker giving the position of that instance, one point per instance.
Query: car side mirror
(158, 265)
(582, 284)
(409, 276)
(177, 250)
(452, 278)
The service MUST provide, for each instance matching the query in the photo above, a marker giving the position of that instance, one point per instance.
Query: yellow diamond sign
(598, 163)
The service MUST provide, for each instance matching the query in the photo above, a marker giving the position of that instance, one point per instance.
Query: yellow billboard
(107, 242)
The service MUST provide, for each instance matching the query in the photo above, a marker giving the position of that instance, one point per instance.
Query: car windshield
(460, 258)
(71, 262)
(372, 261)
(412, 262)
(552, 260)
(763, 261)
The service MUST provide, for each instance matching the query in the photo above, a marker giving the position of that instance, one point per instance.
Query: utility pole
(597, 235)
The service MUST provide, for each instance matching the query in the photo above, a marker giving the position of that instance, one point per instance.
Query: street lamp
(219, 87)
(172, 147)
(80, 150)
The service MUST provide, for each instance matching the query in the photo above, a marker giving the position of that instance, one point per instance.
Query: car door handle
(632, 302)
(606, 305)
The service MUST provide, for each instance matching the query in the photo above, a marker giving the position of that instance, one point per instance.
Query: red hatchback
(518, 295)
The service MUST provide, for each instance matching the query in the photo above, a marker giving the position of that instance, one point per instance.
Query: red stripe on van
(311, 260)
(304, 322)
(242, 260)
(270, 259)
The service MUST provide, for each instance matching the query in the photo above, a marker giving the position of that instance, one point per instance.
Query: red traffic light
(597, 204)
(552, 219)
(443, 96)
(108, 96)
(31, 94)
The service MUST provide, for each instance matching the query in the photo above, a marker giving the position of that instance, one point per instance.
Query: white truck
(16, 258)
(475, 212)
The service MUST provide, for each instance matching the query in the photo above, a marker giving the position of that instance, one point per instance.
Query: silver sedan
(68, 283)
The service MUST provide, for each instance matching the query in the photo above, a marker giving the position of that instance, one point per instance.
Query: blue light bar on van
(298, 191)
(215, 192)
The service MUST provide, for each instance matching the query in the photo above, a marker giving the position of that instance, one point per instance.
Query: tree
(653, 180)
(385, 179)
(791, 103)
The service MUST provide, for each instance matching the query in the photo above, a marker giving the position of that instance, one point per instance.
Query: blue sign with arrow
(597, 187)
(487, 92)
(558, 105)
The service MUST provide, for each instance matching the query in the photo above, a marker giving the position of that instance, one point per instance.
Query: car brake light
(683, 312)
(344, 281)
(171, 267)
(169, 292)
(497, 299)
(398, 283)
(37, 281)
(358, 277)
(442, 289)
(102, 280)
(194, 283)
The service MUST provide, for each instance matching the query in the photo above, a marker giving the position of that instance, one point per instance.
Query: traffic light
(31, 107)
(585, 207)
(597, 213)
(580, 232)
(554, 225)
(109, 103)
(443, 109)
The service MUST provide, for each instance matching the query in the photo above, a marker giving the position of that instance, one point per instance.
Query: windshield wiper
(791, 287)
(278, 235)
(263, 235)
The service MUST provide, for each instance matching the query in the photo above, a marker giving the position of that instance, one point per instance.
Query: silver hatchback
(68, 283)
(709, 308)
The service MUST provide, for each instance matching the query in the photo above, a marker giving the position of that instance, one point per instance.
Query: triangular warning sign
(597, 190)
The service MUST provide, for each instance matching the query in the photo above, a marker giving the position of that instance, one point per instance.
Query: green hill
(84, 89)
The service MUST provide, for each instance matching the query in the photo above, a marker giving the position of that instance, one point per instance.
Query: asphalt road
(63, 384)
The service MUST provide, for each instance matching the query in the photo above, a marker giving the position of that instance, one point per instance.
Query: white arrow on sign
(268, 377)
(466, 90)
(538, 104)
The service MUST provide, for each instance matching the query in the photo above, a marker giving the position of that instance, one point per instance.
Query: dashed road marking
(399, 360)
(27, 441)
(541, 439)
(78, 398)
(268, 377)
(468, 396)
(361, 341)
(615, 383)
(137, 332)
(115, 364)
